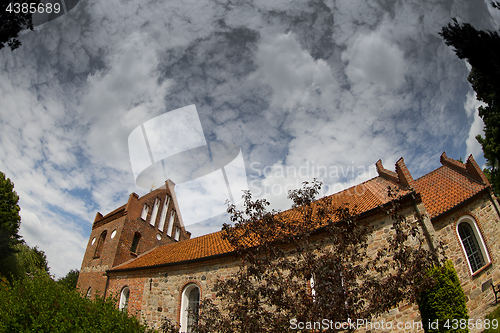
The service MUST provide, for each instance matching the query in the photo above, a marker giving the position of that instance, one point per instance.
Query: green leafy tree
(9, 224)
(40, 304)
(70, 280)
(11, 23)
(312, 263)
(482, 50)
(27, 261)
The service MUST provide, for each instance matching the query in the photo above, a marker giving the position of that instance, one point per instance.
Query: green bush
(39, 304)
(70, 280)
(443, 306)
(493, 321)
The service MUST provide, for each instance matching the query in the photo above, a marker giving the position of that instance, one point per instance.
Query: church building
(142, 253)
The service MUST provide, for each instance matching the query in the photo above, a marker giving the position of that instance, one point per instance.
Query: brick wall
(124, 223)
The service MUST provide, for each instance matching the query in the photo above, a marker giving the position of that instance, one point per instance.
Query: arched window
(171, 224)
(135, 242)
(155, 212)
(189, 307)
(124, 299)
(89, 292)
(144, 213)
(100, 244)
(472, 243)
(163, 216)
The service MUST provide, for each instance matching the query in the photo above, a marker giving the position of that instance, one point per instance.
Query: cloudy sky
(304, 88)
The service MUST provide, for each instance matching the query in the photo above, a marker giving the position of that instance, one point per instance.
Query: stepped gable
(365, 197)
(450, 185)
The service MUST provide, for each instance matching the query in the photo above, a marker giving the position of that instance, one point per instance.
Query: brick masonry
(124, 223)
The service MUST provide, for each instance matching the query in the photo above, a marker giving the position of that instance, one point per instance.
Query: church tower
(140, 225)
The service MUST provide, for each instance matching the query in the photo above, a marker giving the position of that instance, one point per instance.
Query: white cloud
(339, 83)
(295, 77)
(62, 241)
(121, 98)
(373, 59)
(495, 15)
(471, 107)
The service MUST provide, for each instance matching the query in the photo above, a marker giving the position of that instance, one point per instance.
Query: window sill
(133, 254)
(482, 269)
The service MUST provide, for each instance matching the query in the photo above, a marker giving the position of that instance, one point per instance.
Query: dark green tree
(9, 223)
(482, 51)
(11, 23)
(70, 280)
(27, 261)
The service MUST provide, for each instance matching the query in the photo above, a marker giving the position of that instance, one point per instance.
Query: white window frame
(185, 304)
(154, 213)
(163, 216)
(177, 234)
(479, 238)
(144, 214)
(124, 298)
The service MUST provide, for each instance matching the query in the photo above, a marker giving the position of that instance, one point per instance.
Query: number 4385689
(33, 7)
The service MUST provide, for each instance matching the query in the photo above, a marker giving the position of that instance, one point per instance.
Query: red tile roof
(441, 190)
(445, 188)
(195, 248)
(365, 197)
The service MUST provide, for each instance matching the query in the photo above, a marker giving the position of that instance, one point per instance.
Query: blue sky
(299, 86)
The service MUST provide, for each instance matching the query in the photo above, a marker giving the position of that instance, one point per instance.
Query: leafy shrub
(444, 302)
(39, 304)
(70, 280)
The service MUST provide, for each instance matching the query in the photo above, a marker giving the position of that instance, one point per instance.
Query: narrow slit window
(144, 214)
(135, 242)
(171, 224)
(124, 296)
(154, 213)
(163, 216)
(100, 244)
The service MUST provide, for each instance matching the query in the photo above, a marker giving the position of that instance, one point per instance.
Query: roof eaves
(170, 264)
